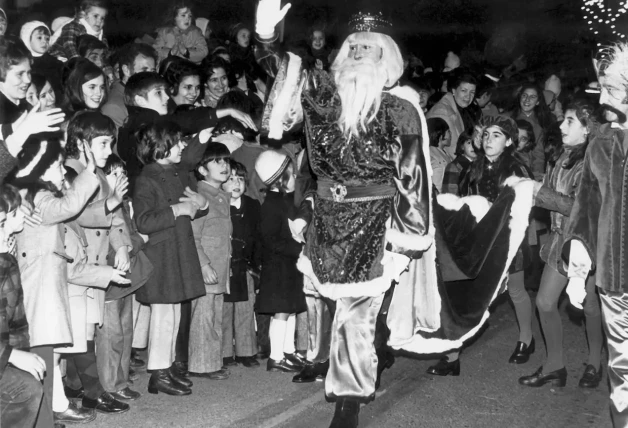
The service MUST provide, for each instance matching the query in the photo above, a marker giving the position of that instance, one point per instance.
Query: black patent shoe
(281, 366)
(106, 403)
(72, 393)
(522, 353)
(296, 359)
(74, 415)
(312, 372)
(538, 378)
(179, 374)
(445, 368)
(247, 361)
(126, 394)
(591, 377)
(346, 414)
(229, 362)
(161, 381)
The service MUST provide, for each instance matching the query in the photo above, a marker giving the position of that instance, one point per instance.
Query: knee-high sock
(523, 306)
(288, 343)
(60, 402)
(277, 333)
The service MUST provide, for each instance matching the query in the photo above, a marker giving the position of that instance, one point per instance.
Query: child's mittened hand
(117, 276)
(209, 275)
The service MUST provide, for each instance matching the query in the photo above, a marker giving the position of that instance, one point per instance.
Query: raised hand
(192, 196)
(186, 208)
(269, 14)
(90, 163)
(243, 118)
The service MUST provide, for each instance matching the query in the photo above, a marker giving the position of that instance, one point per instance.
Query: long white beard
(360, 86)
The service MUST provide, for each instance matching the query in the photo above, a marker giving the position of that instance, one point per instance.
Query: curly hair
(155, 139)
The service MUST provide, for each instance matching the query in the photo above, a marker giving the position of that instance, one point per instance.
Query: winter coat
(245, 247)
(191, 39)
(115, 108)
(447, 110)
(44, 262)
(212, 236)
(537, 155)
(7, 161)
(439, 158)
(170, 248)
(557, 196)
(598, 218)
(281, 283)
(84, 280)
(66, 44)
(10, 112)
(453, 173)
(114, 232)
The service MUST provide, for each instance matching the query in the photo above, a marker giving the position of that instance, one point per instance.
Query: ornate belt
(337, 192)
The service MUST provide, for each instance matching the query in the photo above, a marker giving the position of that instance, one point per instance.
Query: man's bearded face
(613, 97)
(360, 79)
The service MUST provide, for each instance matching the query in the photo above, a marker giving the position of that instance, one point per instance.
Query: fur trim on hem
(393, 266)
(518, 224)
(409, 242)
(478, 205)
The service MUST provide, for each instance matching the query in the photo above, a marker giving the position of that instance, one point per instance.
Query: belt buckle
(338, 192)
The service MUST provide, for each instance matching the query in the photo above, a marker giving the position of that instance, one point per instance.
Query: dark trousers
(82, 370)
(113, 344)
(20, 398)
(183, 336)
(46, 418)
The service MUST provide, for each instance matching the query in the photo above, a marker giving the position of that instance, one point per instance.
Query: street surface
(486, 394)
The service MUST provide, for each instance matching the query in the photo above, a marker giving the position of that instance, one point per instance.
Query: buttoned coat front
(176, 273)
(44, 263)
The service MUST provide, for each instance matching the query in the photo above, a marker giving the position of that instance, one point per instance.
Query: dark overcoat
(281, 283)
(176, 273)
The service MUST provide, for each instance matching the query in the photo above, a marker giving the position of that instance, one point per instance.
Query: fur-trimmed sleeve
(409, 232)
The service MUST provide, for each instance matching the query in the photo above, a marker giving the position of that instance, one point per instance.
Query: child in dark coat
(238, 308)
(281, 284)
(163, 211)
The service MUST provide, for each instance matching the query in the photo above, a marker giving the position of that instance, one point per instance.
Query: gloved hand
(268, 16)
(576, 291)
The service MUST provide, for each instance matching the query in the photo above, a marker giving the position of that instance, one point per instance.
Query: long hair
(78, 72)
(436, 128)
(360, 84)
(585, 113)
(527, 126)
(542, 111)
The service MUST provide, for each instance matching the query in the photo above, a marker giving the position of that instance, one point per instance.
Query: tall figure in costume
(596, 232)
(370, 216)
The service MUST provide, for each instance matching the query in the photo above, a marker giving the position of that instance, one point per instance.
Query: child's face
(318, 40)
(175, 154)
(244, 38)
(524, 139)
(183, 20)
(17, 81)
(95, 17)
(97, 57)
(143, 63)
(55, 174)
(469, 150)
(112, 177)
(14, 222)
(94, 92)
(218, 83)
(156, 99)
(189, 90)
(101, 148)
(47, 98)
(40, 41)
(31, 95)
(234, 185)
(217, 171)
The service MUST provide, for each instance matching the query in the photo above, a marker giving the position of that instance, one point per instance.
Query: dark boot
(346, 415)
(161, 381)
(312, 372)
(179, 373)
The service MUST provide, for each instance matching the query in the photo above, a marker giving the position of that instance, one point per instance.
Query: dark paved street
(486, 394)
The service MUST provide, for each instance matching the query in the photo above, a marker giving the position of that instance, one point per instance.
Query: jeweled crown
(370, 22)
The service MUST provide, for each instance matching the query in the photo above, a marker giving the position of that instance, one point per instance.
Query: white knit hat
(451, 62)
(27, 31)
(553, 84)
(270, 165)
(202, 23)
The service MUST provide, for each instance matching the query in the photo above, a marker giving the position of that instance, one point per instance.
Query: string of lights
(597, 14)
